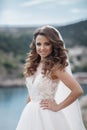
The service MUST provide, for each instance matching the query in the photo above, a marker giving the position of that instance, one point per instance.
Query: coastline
(19, 82)
(81, 77)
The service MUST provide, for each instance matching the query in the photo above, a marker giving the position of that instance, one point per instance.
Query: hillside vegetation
(75, 34)
(17, 39)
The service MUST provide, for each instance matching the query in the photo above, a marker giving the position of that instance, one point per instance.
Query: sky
(41, 12)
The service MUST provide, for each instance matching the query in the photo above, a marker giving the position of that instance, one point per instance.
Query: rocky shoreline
(21, 82)
(12, 82)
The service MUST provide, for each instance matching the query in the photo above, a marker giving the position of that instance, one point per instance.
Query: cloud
(68, 2)
(49, 2)
(34, 2)
(9, 17)
(76, 10)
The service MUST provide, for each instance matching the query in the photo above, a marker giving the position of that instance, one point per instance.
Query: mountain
(75, 34)
(14, 39)
(17, 39)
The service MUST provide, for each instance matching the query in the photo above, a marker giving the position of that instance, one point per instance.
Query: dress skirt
(34, 117)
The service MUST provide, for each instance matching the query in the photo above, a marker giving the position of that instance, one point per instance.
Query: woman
(53, 92)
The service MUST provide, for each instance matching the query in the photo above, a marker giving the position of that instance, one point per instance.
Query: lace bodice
(41, 87)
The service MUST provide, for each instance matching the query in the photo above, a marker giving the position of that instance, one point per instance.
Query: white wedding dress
(33, 116)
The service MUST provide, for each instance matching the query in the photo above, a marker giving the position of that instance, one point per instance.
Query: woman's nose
(42, 47)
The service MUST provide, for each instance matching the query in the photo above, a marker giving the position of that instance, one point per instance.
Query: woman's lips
(43, 53)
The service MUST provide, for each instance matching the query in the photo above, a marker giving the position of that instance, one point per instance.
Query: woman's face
(43, 46)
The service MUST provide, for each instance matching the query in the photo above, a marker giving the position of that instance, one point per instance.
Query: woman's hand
(49, 104)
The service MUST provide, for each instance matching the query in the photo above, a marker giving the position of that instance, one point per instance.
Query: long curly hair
(58, 57)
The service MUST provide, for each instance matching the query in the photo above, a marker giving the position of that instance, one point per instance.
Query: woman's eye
(38, 44)
(47, 43)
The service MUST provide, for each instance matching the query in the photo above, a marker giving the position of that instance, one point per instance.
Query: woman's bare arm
(72, 84)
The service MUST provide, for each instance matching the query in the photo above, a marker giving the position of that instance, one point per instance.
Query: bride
(53, 92)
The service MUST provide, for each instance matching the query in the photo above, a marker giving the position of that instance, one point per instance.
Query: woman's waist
(39, 98)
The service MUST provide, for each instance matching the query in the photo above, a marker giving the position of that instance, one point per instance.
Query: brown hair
(57, 57)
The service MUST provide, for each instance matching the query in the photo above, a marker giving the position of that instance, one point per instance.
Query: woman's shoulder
(57, 69)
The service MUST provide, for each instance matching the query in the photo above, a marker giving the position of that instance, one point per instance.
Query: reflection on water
(12, 102)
